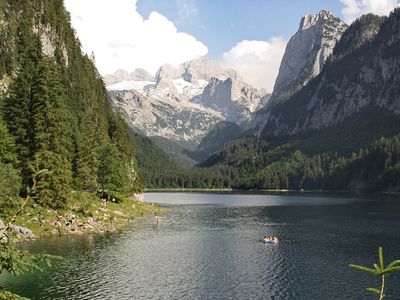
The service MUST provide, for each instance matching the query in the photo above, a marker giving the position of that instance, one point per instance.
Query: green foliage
(151, 157)
(56, 113)
(362, 31)
(18, 262)
(13, 260)
(10, 296)
(10, 185)
(7, 146)
(381, 271)
(253, 163)
(121, 137)
(53, 143)
(220, 134)
(18, 105)
(178, 152)
(152, 161)
(111, 170)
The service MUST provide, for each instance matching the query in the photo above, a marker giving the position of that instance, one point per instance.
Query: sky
(249, 36)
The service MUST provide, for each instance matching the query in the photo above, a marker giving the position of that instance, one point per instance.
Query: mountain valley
(341, 109)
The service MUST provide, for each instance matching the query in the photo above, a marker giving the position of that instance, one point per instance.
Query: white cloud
(257, 61)
(122, 39)
(354, 8)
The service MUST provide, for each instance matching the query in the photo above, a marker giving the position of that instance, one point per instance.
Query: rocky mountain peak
(235, 99)
(166, 72)
(185, 102)
(311, 20)
(200, 69)
(123, 75)
(359, 86)
(141, 75)
(190, 71)
(306, 52)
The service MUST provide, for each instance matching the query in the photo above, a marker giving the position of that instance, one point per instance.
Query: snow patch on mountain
(184, 103)
(188, 88)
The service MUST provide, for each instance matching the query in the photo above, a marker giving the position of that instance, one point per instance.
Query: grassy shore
(85, 213)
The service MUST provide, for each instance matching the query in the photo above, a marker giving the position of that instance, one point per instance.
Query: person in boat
(268, 239)
(271, 239)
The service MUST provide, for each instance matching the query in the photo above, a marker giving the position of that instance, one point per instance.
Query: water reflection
(206, 251)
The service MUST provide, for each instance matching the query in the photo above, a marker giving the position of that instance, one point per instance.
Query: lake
(207, 247)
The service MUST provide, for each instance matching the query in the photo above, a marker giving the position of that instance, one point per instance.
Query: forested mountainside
(340, 132)
(54, 107)
(223, 132)
(362, 74)
(158, 170)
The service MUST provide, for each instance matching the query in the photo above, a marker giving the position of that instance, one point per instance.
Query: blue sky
(249, 36)
(221, 24)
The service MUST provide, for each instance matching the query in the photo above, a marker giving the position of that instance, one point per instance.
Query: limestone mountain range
(183, 103)
(329, 73)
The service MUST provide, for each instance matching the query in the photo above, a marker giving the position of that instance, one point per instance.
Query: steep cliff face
(184, 103)
(362, 74)
(304, 58)
(234, 99)
(306, 52)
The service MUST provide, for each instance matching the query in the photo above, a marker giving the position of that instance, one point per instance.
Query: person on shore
(158, 219)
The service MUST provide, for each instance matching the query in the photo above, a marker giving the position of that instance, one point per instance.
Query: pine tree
(88, 149)
(7, 146)
(52, 136)
(112, 172)
(56, 110)
(120, 136)
(18, 105)
(10, 182)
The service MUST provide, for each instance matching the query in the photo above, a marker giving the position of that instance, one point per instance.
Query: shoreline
(230, 190)
(99, 217)
(91, 216)
(275, 191)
